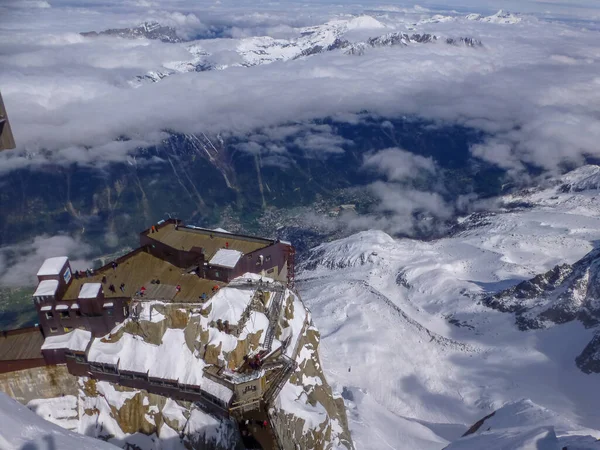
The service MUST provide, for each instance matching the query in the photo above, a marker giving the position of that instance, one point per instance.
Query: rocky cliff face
(564, 293)
(135, 419)
(307, 413)
(148, 30)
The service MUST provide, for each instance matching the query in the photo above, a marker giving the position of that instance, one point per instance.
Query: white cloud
(19, 263)
(399, 165)
(65, 93)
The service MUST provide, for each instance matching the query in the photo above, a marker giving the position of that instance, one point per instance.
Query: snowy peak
(500, 17)
(525, 425)
(357, 250)
(352, 36)
(147, 30)
(586, 178)
(564, 293)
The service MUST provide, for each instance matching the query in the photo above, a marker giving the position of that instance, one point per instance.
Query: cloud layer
(533, 87)
(19, 263)
(533, 90)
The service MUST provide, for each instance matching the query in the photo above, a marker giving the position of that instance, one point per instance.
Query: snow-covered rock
(22, 429)
(147, 30)
(501, 17)
(525, 425)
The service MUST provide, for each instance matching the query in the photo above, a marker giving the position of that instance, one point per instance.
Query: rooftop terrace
(186, 238)
(138, 270)
(21, 344)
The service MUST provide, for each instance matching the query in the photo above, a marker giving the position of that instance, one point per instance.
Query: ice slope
(22, 429)
(406, 339)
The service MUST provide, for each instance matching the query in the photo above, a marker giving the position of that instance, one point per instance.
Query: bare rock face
(306, 411)
(129, 417)
(148, 30)
(589, 359)
(563, 294)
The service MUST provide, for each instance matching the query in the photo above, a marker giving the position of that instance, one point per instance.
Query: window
(64, 314)
(53, 329)
(49, 315)
(258, 262)
(249, 256)
(271, 270)
(268, 258)
(79, 358)
(77, 313)
(217, 274)
(67, 329)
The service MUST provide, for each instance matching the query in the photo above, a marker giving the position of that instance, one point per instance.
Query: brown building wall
(218, 273)
(79, 369)
(21, 364)
(273, 256)
(54, 356)
(94, 317)
(177, 257)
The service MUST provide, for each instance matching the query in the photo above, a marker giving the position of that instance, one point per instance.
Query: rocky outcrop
(40, 382)
(589, 359)
(306, 412)
(147, 30)
(523, 424)
(126, 416)
(564, 293)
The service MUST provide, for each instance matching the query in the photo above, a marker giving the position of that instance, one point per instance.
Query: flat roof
(53, 266)
(187, 237)
(226, 258)
(21, 346)
(139, 269)
(90, 290)
(76, 340)
(46, 287)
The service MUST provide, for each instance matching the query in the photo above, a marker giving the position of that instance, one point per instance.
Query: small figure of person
(178, 289)
(114, 265)
(122, 287)
(104, 279)
(111, 288)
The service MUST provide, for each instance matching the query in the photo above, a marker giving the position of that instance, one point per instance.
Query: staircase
(274, 312)
(276, 384)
